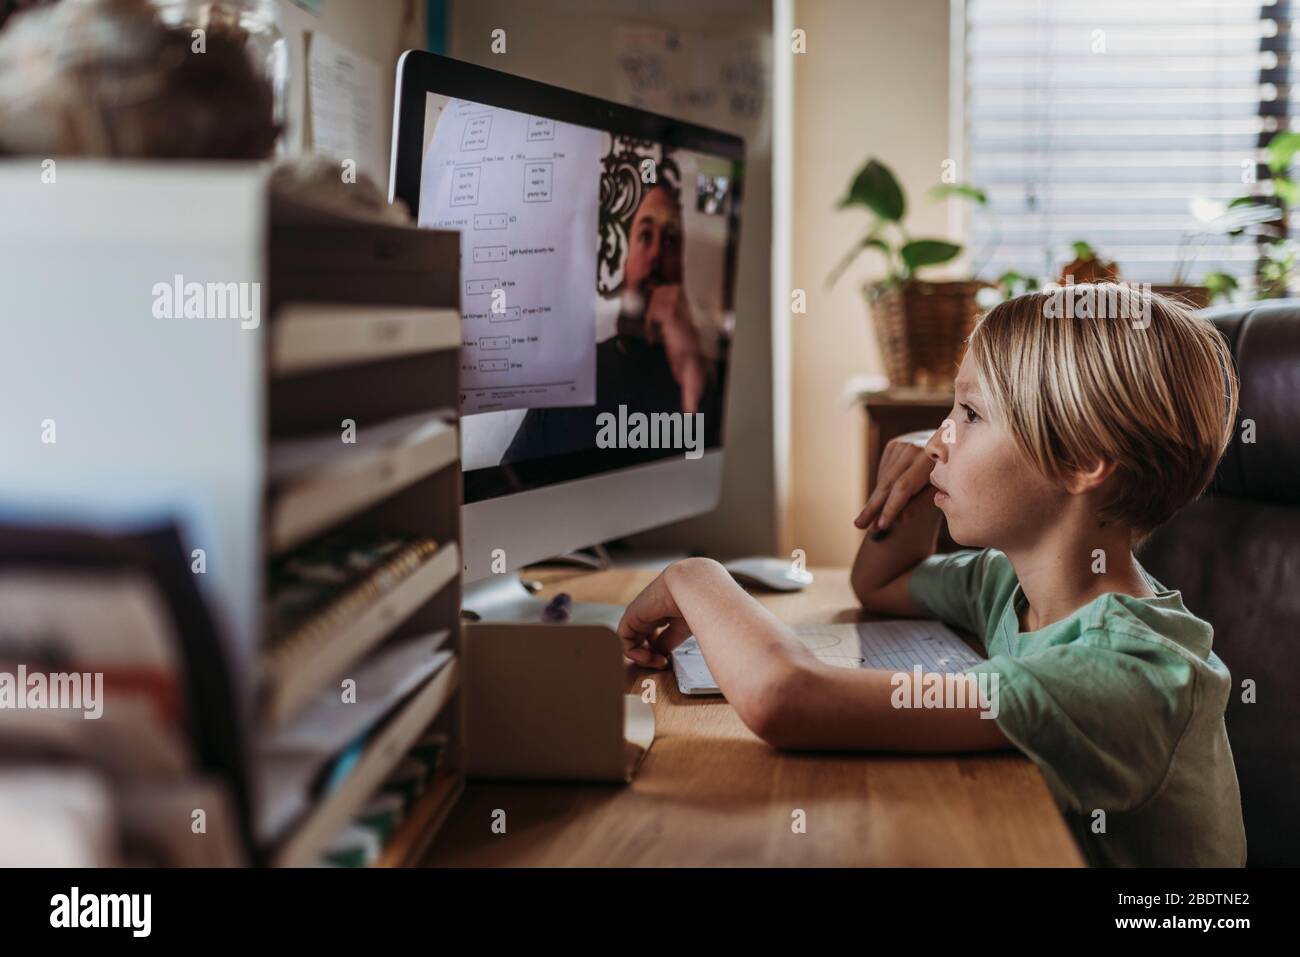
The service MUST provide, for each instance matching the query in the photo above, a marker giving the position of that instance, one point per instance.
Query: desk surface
(711, 793)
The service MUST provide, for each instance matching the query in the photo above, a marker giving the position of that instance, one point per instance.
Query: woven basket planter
(921, 328)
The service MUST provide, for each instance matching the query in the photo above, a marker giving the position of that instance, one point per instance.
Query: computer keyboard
(898, 645)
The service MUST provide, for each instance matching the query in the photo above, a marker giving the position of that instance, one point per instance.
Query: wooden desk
(711, 793)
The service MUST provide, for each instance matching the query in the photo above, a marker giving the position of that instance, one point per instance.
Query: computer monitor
(598, 263)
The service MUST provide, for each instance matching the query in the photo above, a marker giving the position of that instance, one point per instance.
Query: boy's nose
(936, 448)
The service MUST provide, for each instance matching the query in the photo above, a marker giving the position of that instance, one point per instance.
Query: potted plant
(1223, 222)
(1261, 218)
(920, 325)
(1277, 262)
(1088, 266)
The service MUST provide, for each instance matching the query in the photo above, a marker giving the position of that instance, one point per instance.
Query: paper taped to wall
(346, 93)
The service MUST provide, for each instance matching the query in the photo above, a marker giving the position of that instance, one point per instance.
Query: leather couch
(1235, 556)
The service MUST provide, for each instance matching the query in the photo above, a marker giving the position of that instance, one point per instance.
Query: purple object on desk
(558, 608)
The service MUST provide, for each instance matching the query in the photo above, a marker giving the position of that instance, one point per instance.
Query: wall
(874, 81)
(569, 43)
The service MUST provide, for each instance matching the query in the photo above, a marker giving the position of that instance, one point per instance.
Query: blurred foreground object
(111, 78)
(9, 8)
(128, 558)
(307, 189)
(55, 817)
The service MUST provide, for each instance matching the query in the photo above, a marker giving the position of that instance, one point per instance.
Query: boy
(1069, 441)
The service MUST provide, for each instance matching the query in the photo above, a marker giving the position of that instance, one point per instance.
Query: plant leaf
(964, 190)
(928, 252)
(1219, 283)
(1286, 190)
(876, 188)
(1282, 149)
(1082, 250)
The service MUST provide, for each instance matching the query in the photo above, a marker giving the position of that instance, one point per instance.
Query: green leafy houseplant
(1278, 250)
(1262, 219)
(877, 189)
(919, 325)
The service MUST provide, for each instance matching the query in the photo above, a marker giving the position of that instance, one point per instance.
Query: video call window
(597, 274)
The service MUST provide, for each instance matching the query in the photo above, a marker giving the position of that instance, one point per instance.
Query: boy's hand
(904, 471)
(639, 628)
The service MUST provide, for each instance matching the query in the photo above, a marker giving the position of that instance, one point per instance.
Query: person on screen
(655, 361)
(655, 307)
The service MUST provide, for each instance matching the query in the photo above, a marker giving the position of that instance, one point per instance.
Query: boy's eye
(971, 414)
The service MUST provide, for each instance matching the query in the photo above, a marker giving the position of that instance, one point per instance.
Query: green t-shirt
(1120, 705)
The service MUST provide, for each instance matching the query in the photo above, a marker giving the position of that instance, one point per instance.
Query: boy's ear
(1093, 476)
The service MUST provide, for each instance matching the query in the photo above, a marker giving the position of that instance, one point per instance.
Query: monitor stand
(505, 598)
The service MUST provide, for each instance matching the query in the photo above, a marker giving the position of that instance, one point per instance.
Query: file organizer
(365, 332)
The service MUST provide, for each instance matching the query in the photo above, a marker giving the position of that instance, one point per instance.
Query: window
(1129, 125)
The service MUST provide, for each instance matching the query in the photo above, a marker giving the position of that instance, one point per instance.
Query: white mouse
(778, 574)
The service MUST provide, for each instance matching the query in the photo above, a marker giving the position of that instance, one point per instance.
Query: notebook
(898, 645)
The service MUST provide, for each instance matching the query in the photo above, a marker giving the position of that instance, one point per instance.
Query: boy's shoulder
(1162, 620)
(1160, 628)
(1157, 638)
(1161, 639)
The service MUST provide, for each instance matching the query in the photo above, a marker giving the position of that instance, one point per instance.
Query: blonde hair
(1140, 381)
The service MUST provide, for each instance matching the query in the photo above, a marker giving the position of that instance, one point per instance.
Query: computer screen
(598, 273)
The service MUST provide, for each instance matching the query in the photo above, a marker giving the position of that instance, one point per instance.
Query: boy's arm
(750, 652)
(779, 688)
(902, 524)
(851, 709)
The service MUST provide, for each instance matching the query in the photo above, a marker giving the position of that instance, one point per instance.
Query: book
(331, 602)
(384, 751)
(295, 759)
(317, 588)
(124, 604)
(56, 817)
(404, 788)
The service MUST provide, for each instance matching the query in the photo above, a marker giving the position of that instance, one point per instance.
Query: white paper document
(346, 92)
(523, 191)
(897, 645)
